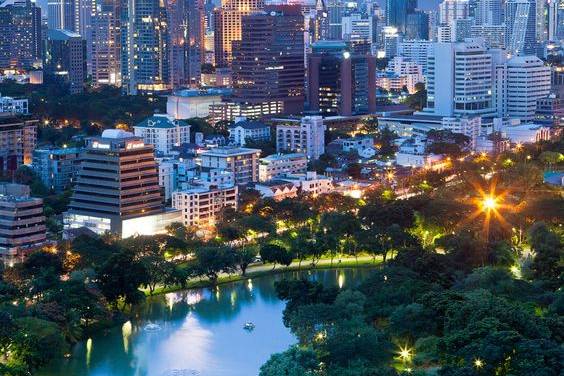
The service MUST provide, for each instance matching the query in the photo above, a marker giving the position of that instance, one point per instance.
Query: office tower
(540, 14)
(306, 136)
(499, 77)
(417, 26)
(528, 80)
(242, 162)
(56, 167)
(444, 34)
(335, 12)
(433, 24)
(268, 61)
(106, 44)
(65, 57)
(461, 29)
(164, 132)
(459, 79)
(450, 10)
(489, 12)
(144, 44)
(62, 14)
(550, 111)
(390, 38)
(520, 20)
(186, 33)
(356, 28)
(18, 138)
(555, 20)
(397, 11)
(117, 188)
(340, 81)
(227, 26)
(493, 35)
(415, 51)
(20, 35)
(23, 222)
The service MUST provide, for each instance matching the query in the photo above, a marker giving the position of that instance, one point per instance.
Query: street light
(489, 203)
(478, 363)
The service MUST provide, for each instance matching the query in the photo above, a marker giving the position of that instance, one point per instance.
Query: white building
(17, 106)
(242, 162)
(164, 132)
(444, 34)
(171, 173)
(277, 189)
(302, 136)
(275, 165)
(363, 146)
(450, 10)
(415, 51)
(356, 28)
(468, 126)
(459, 79)
(528, 80)
(201, 205)
(406, 73)
(244, 130)
(190, 103)
(310, 183)
(493, 35)
(411, 153)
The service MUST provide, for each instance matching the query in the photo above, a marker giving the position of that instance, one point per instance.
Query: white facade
(450, 10)
(356, 28)
(363, 146)
(459, 80)
(17, 106)
(311, 183)
(275, 165)
(415, 51)
(164, 132)
(200, 206)
(189, 104)
(244, 130)
(528, 80)
(468, 126)
(242, 162)
(172, 172)
(307, 136)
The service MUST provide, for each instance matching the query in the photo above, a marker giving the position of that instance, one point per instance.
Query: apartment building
(18, 138)
(243, 162)
(201, 205)
(279, 164)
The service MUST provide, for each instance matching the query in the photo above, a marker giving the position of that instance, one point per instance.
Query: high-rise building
(450, 10)
(528, 80)
(459, 79)
(417, 26)
(461, 29)
(416, 51)
(65, 57)
(56, 167)
(493, 35)
(397, 11)
(305, 135)
(18, 138)
(106, 43)
(540, 15)
(356, 28)
(227, 26)
(335, 12)
(268, 61)
(555, 20)
(489, 12)
(144, 44)
(23, 222)
(62, 14)
(117, 188)
(520, 20)
(20, 34)
(340, 81)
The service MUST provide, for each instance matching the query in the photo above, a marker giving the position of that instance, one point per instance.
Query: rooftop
(58, 34)
(249, 124)
(226, 151)
(188, 93)
(281, 157)
(162, 121)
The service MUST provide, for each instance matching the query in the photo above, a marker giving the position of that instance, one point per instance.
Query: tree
(296, 361)
(276, 254)
(213, 260)
(120, 277)
(245, 256)
(548, 248)
(551, 158)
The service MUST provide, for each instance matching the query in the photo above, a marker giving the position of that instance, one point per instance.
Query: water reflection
(201, 332)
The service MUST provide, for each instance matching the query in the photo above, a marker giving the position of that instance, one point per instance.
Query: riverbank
(261, 270)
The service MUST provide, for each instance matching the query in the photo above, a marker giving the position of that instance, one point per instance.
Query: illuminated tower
(227, 25)
(144, 44)
(106, 44)
(520, 20)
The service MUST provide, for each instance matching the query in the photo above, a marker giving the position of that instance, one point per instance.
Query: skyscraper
(417, 26)
(227, 26)
(450, 10)
(65, 57)
(397, 11)
(520, 20)
(489, 12)
(144, 44)
(20, 35)
(268, 61)
(61, 14)
(106, 43)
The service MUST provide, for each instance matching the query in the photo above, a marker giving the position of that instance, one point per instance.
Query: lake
(197, 332)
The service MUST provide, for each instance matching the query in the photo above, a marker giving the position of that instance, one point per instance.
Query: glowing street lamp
(405, 354)
(489, 203)
(478, 363)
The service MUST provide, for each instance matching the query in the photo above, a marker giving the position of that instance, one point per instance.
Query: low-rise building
(13, 105)
(244, 130)
(191, 103)
(201, 205)
(56, 167)
(277, 189)
(363, 146)
(22, 222)
(242, 162)
(305, 135)
(412, 153)
(18, 138)
(276, 165)
(164, 132)
(310, 182)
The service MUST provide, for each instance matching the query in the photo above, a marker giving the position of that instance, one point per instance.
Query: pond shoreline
(263, 270)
